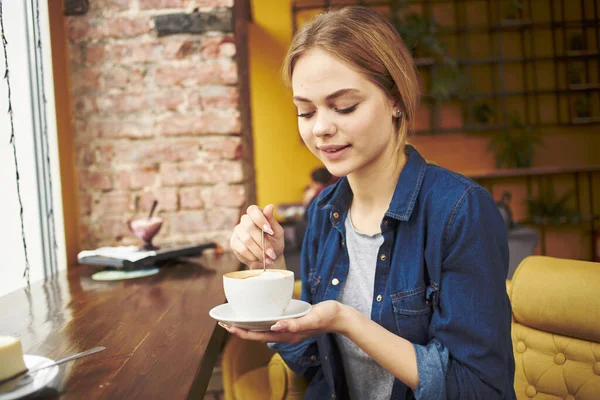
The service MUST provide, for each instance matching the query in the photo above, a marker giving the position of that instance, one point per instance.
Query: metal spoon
(263, 249)
(58, 362)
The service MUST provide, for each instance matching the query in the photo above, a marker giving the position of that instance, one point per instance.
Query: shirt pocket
(412, 312)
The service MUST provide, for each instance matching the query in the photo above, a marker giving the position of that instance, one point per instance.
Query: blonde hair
(366, 41)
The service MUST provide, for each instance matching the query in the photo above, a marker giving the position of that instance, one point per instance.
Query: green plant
(514, 147)
(515, 8)
(576, 42)
(420, 34)
(582, 106)
(482, 112)
(575, 72)
(446, 81)
(548, 207)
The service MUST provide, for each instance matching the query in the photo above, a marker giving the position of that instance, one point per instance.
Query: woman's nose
(323, 125)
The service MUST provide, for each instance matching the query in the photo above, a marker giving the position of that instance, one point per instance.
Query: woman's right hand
(246, 240)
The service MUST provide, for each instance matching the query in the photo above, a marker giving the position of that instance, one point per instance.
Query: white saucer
(31, 383)
(224, 313)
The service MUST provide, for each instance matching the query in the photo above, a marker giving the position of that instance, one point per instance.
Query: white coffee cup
(253, 294)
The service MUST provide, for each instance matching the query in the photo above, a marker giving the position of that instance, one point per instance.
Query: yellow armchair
(555, 334)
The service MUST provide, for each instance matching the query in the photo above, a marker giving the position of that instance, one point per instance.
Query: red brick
(151, 152)
(167, 200)
(202, 124)
(120, 129)
(227, 49)
(137, 178)
(94, 54)
(77, 28)
(221, 97)
(222, 148)
(167, 100)
(85, 203)
(122, 27)
(229, 73)
(84, 104)
(130, 78)
(113, 227)
(187, 222)
(210, 47)
(97, 155)
(110, 5)
(94, 180)
(75, 53)
(114, 203)
(225, 196)
(86, 79)
(191, 197)
(214, 3)
(160, 4)
(197, 174)
(209, 73)
(122, 103)
(222, 218)
(132, 52)
(86, 156)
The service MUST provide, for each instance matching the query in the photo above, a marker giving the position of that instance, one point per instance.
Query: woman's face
(344, 119)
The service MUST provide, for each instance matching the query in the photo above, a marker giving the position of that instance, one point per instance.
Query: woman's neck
(373, 188)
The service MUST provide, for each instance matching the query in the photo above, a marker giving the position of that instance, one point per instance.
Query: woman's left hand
(325, 317)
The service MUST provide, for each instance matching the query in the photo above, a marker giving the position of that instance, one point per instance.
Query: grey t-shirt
(365, 377)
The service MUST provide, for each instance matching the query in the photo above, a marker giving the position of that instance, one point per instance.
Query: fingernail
(222, 325)
(279, 326)
(270, 262)
(271, 253)
(267, 228)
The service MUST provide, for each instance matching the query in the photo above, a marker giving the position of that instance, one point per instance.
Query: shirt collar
(405, 194)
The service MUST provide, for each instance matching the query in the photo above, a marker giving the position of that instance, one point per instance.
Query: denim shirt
(439, 283)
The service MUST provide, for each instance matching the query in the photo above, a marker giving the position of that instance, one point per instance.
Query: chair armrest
(284, 383)
(241, 356)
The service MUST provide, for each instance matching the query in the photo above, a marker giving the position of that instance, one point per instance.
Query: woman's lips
(334, 152)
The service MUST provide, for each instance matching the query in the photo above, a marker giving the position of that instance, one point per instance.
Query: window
(30, 75)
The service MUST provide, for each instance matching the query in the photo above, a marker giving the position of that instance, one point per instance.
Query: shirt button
(326, 358)
(336, 215)
(314, 358)
(333, 395)
(379, 297)
(385, 221)
(335, 282)
(382, 257)
(343, 244)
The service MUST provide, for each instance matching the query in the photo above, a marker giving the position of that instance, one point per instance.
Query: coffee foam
(268, 275)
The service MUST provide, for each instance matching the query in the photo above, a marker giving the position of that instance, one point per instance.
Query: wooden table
(160, 341)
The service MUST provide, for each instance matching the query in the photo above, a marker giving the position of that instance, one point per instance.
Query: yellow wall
(282, 162)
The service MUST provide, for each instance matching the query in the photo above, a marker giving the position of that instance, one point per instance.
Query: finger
(247, 239)
(269, 213)
(265, 337)
(259, 219)
(302, 324)
(240, 249)
(257, 236)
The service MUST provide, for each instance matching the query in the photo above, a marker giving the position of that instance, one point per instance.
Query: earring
(399, 114)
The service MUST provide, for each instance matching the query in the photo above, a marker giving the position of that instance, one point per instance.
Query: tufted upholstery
(556, 329)
(555, 333)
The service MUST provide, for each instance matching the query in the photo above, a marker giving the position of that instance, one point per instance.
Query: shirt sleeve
(303, 357)
(470, 355)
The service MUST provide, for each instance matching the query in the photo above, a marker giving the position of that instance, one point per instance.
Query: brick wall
(157, 116)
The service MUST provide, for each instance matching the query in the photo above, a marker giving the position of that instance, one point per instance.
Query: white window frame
(31, 79)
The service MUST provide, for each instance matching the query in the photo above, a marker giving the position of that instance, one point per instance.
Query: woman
(404, 262)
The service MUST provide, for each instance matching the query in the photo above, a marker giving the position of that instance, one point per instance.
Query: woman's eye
(346, 110)
(306, 115)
